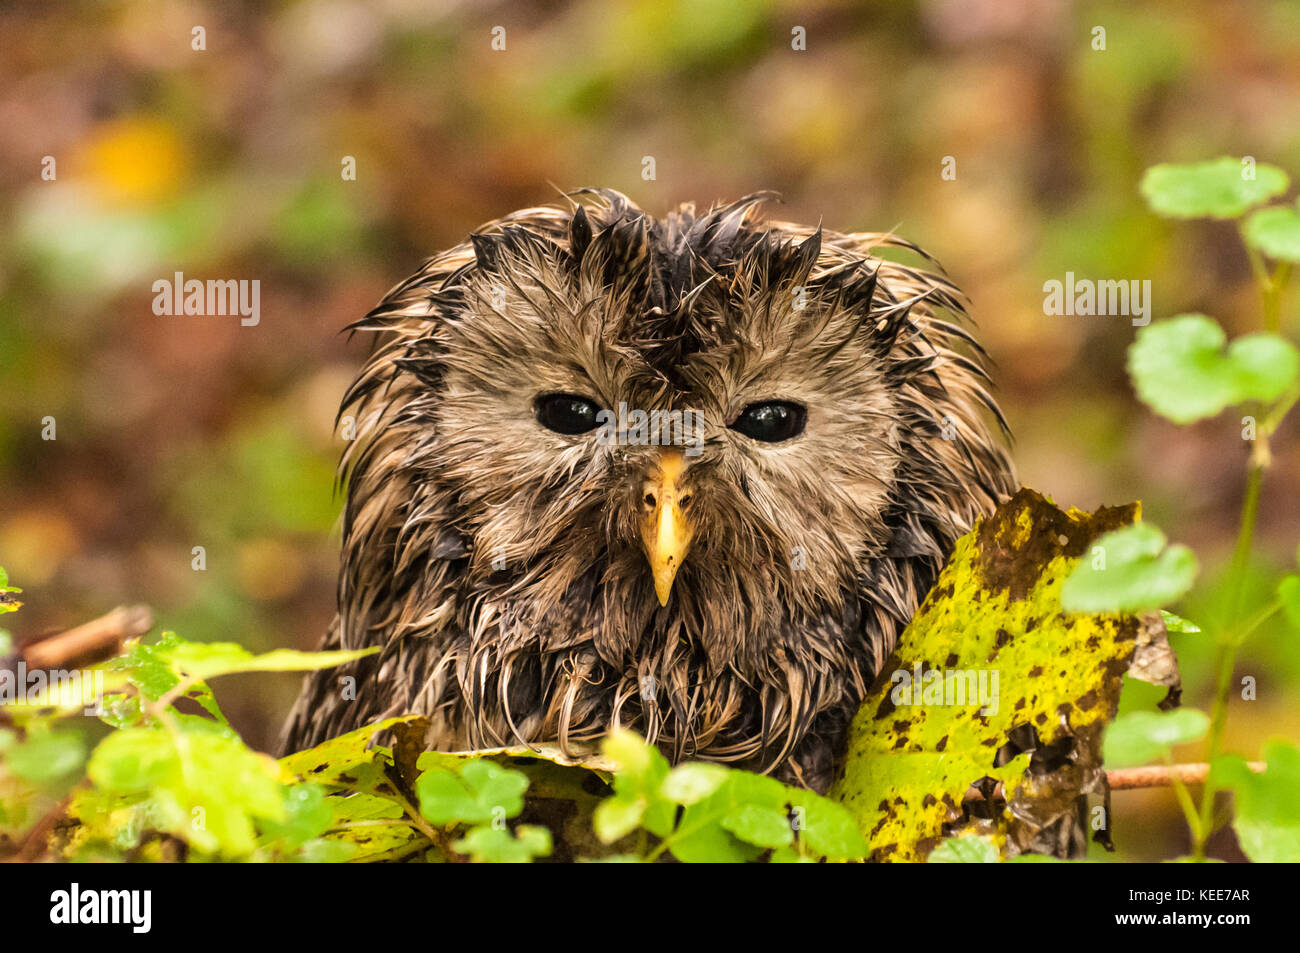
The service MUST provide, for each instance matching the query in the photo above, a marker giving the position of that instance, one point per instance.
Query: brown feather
(754, 660)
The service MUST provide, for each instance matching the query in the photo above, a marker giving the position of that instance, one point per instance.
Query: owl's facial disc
(665, 529)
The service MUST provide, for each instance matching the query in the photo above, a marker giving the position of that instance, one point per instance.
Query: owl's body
(729, 595)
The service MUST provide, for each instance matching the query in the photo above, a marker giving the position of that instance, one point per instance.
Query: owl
(689, 476)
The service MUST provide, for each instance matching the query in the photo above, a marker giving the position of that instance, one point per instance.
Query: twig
(1161, 775)
(1128, 779)
(37, 840)
(96, 640)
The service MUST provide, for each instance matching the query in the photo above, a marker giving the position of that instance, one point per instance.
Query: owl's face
(690, 475)
(758, 498)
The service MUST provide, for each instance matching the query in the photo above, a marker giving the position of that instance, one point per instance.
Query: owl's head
(709, 463)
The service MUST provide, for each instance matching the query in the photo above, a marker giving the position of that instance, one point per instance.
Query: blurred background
(228, 162)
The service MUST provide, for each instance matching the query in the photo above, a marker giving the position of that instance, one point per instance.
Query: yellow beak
(665, 530)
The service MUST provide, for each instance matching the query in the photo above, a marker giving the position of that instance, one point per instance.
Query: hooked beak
(665, 531)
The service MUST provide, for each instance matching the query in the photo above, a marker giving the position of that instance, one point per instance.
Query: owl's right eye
(566, 413)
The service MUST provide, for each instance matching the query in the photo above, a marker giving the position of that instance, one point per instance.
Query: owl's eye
(566, 413)
(771, 421)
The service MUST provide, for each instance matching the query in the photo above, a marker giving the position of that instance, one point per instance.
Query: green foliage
(1275, 232)
(1142, 736)
(1219, 188)
(1177, 625)
(173, 781)
(476, 793)
(172, 772)
(497, 845)
(710, 813)
(46, 754)
(200, 783)
(926, 735)
(1288, 594)
(1005, 581)
(1181, 371)
(1129, 570)
(1267, 810)
(971, 849)
(7, 604)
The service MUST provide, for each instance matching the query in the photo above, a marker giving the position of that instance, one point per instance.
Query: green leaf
(201, 782)
(1143, 736)
(6, 588)
(700, 838)
(641, 771)
(228, 781)
(47, 755)
(148, 668)
(1180, 370)
(1288, 591)
(1267, 817)
(788, 855)
(989, 652)
(616, 817)
(205, 660)
(636, 761)
(307, 815)
(1177, 625)
(481, 792)
(688, 783)
(965, 850)
(323, 850)
(1129, 570)
(364, 807)
(827, 828)
(340, 760)
(1275, 232)
(761, 826)
(1218, 188)
(494, 845)
(372, 827)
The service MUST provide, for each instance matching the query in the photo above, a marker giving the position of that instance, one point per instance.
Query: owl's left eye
(566, 413)
(771, 421)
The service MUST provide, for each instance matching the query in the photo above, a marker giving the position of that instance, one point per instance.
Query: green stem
(1273, 296)
(1270, 285)
(1199, 834)
(1253, 622)
(1227, 650)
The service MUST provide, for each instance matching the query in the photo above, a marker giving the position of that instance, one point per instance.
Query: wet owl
(689, 475)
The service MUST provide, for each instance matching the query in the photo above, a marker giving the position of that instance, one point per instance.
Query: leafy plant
(173, 781)
(1181, 369)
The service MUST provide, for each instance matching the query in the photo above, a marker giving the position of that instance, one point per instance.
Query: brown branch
(92, 642)
(1161, 775)
(36, 842)
(1129, 779)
